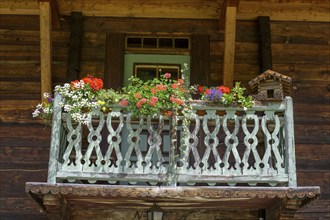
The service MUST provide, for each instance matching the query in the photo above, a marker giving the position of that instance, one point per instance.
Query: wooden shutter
(200, 60)
(114, 60)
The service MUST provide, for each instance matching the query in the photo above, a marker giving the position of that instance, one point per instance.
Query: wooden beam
(265, 44)
(302, 10)
(222, 17)
(45, 47)
(285, 11)
(55, 12)
(76, 33)
(229, 46)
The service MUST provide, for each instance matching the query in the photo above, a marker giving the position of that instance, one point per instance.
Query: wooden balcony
(222, 152)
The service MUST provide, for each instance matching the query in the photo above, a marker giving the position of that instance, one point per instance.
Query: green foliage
(106, 98)
(236, 97)
(157, 96)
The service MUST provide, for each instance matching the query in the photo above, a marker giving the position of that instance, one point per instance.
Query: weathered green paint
(130, 59)
(238, 146)
(55, 141)
(289, 143)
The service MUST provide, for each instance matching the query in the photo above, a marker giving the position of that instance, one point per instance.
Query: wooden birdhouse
(270, 86)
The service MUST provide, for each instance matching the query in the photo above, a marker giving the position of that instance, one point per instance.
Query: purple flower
(214, 95)
(50, 99)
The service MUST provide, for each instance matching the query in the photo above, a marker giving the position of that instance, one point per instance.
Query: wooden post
(55, 140)
(229, 47)
(45, 47)
(76, 33)
(289, 143)
(265, 44)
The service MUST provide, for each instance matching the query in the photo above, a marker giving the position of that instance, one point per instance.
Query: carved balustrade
(221, 145)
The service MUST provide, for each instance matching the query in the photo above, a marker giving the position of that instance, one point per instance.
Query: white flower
(85, 119)
(35, 113)
(47, 95)
(67, 108)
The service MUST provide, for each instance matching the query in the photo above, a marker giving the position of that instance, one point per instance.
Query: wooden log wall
(299, 50)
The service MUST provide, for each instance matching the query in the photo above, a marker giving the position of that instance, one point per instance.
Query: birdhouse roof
(270, 74)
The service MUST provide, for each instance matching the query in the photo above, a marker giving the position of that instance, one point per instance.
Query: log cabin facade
(45, 43)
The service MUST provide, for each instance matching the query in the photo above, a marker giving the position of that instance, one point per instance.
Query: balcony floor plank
(105, 197)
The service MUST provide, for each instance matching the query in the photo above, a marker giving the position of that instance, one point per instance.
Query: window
(270, 93)
(146, 71)
(170, 44)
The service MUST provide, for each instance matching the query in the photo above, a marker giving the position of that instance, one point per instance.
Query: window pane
(182, 43)
(165, 42)
(134, 42)
(146, 73)
(149, 42)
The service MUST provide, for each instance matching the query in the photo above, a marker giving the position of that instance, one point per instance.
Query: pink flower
(161, 87)
(180, 81)
(137, 95)
(167, 75)
(123, 102)
(141, 102)
(153, 101)
(153, 90)
(179, 101)
(175, 85)
(168, 113)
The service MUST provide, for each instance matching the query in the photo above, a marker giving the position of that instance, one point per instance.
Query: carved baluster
(211, 142)
(94, 139)
(154, 141)
(231, 141)
(74, 139)
(134, 142)
(276, 146)
(114, 140)
(250, 141)
(191, 142)
(173, 170)
(271, 143)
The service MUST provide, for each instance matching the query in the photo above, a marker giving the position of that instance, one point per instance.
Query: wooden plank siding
(299, 50)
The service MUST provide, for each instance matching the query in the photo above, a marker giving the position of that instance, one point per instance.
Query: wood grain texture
(45, 47)
(200, 59)
(300, 50)
(74, 56)
(229, 47)
(298, 10)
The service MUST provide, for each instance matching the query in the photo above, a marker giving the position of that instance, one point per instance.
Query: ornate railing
(222, 146)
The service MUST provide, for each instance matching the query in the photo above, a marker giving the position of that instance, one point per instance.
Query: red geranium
(94, 83)
(224, 89)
